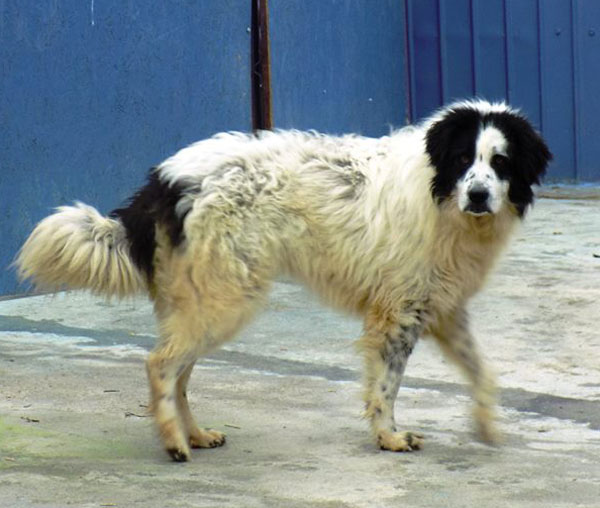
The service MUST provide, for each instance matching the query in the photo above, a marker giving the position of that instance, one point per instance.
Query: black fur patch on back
(152, 204)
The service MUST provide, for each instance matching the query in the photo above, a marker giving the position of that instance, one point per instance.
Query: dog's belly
(335, 284)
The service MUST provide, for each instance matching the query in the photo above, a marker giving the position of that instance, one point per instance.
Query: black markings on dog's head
(528, 157)
(151, 205)
(451, 145)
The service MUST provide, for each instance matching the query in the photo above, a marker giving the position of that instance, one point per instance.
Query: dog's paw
(178, 454)
(399, 441)
(174, 441)
(206, 438)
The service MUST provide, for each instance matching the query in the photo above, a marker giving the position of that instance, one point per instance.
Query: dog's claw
(207, 438)
(178, 455)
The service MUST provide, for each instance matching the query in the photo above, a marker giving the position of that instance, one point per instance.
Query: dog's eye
(465, 160)
(499, 161)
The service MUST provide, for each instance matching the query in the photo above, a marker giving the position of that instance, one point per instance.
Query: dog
(400, 230)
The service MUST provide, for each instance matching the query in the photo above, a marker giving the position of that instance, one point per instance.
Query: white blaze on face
(480, 190)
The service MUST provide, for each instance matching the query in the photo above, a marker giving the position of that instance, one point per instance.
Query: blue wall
(94, 93)
(542, 56)
(338, 65)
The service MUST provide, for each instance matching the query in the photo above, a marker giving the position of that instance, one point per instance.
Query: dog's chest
(459, 276)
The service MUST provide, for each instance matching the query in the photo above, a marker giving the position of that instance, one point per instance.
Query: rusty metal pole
(262, 117)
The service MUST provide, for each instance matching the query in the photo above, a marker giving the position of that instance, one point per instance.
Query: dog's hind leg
(199, 306)
(457, 342)
(185, 336)
(387, 344)
(198, 437)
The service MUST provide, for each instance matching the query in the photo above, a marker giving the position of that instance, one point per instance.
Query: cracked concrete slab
(74, 429)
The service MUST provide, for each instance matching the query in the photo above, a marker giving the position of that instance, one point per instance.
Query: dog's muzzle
(478, 200)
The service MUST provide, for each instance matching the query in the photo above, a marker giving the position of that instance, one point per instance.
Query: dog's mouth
(478, 209)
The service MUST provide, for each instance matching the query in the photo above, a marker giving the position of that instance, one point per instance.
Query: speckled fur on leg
(387, 344)
(457, 342)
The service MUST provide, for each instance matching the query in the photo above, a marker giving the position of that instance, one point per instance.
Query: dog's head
(485, 155)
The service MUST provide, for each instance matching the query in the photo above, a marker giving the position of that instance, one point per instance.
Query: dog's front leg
(457, 342)
(386, 352)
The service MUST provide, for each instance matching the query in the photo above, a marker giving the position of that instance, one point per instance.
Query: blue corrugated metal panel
(424, 56)
(587, 80)
(338, 65)
(489, 51)
(557, 90)
(94, 93)
(539, 55)
(456, 50)
(523, 57)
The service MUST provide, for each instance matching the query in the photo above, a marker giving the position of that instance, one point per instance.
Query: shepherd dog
(400, 230)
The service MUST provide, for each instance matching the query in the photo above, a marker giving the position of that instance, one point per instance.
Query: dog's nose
(478, 195)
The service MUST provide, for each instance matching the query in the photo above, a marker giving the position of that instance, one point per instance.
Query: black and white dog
(401, 230)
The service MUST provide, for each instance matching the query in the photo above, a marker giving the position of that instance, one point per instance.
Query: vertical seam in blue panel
(576, 94)
(408, 66)
(474, 48)
(411, 60)
(442, 95)
(538, 19)
(506, 54)
(442, 54)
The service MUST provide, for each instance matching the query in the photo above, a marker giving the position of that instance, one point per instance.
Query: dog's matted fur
(401, 230)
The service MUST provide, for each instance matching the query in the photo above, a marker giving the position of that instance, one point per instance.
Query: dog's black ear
(538, 154)
(529, 150)
(532, 157)
(447, 141)
(529, 154)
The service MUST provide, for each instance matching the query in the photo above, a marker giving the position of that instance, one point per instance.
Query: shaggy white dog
(401, 230)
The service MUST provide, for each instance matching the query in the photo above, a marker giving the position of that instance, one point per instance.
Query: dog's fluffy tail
(78, 248)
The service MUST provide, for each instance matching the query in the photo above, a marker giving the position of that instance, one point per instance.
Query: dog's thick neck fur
(466, 252)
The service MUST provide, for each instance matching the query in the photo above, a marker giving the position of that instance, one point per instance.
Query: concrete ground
(74, 429)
